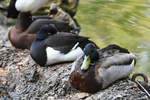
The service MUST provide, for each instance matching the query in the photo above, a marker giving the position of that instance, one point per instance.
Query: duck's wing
(115, 67)
(118, 60)
(115, 47)
(60, 26)
(64, 42)
(111, 50)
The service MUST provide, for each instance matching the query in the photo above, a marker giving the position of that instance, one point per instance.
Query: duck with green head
(97, 69)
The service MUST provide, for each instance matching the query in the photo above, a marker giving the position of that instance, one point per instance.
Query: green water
(122, 22)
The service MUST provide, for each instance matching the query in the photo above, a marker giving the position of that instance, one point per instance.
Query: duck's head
(90, 56)
(45, 31)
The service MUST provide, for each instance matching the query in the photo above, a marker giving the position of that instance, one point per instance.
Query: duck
(96, 69)
(23, 33)
(51, 47)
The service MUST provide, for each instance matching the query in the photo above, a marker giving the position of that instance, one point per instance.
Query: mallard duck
(50, 48)
(23, 33)
(96, 70)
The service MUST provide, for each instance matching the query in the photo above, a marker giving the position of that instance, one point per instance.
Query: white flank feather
(54, 56)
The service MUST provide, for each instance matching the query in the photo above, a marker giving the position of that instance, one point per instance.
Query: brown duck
(96, 70)
(23, 33)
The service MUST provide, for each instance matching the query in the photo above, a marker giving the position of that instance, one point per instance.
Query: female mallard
(23, 33)
(49, 48)
(97, 70)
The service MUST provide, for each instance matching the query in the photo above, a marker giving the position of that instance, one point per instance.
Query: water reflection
(123, 22)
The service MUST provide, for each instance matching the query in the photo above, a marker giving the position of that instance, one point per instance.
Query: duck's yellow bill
(86, 63)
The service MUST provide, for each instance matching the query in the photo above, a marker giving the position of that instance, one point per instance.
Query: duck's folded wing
(114, 47)
(59, 25)
(64, 42)
(118, 59)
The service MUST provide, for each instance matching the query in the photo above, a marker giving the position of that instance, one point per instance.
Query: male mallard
(96, 70)
(50, 48)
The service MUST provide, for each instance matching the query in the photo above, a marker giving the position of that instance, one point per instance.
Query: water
(122, 22)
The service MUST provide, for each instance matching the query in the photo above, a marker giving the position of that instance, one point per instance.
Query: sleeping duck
(23, 33)
(50, 48)
(96, 70)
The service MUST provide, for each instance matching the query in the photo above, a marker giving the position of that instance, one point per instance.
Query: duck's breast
(20, 40)
(85, 80)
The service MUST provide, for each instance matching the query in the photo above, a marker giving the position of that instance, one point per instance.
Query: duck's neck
(23, 21)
